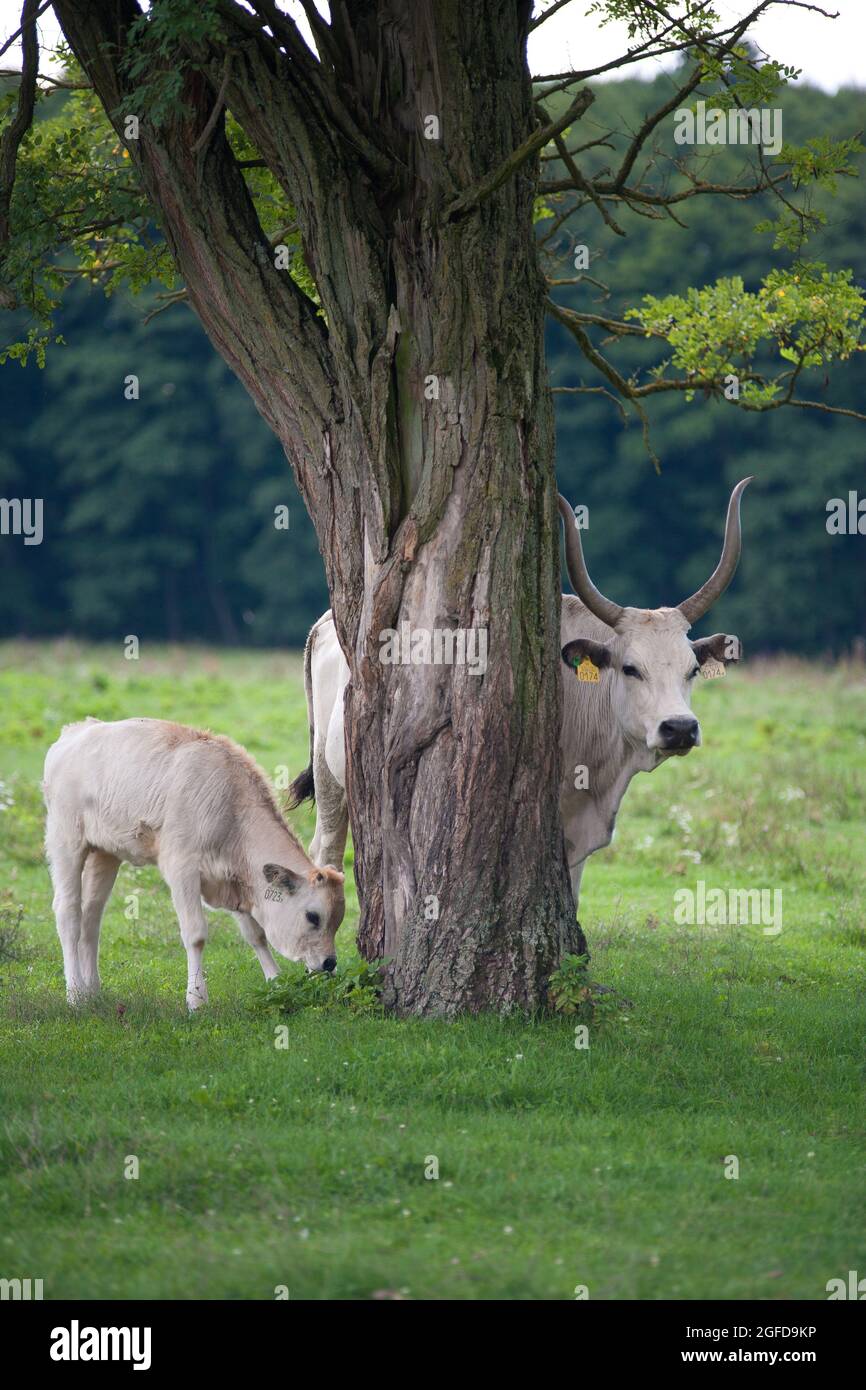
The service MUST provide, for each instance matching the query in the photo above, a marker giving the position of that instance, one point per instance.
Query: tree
(353, 223)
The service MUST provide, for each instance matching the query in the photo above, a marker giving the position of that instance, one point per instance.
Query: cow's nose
(329, 964)
(678, 733)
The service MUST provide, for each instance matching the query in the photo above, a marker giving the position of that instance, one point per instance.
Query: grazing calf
(147, 791)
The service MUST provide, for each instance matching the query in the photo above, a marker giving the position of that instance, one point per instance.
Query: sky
(831, 53)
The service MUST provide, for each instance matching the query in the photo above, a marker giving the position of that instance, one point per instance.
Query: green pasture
(305, 1167)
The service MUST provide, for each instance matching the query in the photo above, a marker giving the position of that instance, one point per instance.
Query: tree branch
(256, 316)
(617, 187)
(592, 391)
(321, 33)
(217, 108)
(18, 127)
(539, 19)
(647, 51)
(468, 201)
(312, 100)
(607, 369)
(25, 25)
(634, 394)
(649, 125)
(819, 405)
(584, 186)
(55, 83)
(634, 55)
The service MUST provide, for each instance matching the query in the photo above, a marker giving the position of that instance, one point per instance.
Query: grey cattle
(631, 715)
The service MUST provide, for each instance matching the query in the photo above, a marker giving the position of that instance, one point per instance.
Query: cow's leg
(97, 881)
(252, 932)
(576, 874)
(328, 845)
(185, 885)
(67, 862)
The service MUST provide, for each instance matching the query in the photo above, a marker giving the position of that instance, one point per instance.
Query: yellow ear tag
(587, 670)
(711, 669)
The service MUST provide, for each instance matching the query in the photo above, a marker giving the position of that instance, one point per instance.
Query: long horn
(583, 586)
(700, 603)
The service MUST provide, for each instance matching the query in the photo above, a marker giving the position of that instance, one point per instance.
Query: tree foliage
(206, 464)
(76, 199)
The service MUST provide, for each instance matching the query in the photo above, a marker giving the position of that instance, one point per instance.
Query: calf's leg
(185, 888)
(67, 862)
(252, 932)
(97, 881)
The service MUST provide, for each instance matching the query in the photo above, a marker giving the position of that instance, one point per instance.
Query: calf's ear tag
(712, 668)
(587, 670)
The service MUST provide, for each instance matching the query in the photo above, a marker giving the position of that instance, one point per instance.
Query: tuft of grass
(12, 943)
(356, 986)
(572, 992)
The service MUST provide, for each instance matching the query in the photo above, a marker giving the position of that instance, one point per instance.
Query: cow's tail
(304, 786)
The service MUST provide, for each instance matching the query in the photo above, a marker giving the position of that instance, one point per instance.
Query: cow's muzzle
(679, 734)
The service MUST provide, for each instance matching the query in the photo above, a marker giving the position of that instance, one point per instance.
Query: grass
(304, 1166)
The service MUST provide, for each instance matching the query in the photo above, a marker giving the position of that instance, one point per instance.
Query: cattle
(147, 791)
(629, 713)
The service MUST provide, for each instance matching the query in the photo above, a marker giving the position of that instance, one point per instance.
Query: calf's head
(300, 913)
(648, 659)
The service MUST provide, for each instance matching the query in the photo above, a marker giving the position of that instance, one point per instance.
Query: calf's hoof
(80, 994)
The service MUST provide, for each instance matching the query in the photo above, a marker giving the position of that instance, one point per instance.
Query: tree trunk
(419, 427)
(453, 777)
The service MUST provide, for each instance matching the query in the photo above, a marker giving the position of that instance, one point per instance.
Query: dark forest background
(159, 513)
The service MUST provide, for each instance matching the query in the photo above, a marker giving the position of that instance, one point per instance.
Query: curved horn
(700, 603)
(583, 586)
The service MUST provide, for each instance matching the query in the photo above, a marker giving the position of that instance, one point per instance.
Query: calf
(147, 791)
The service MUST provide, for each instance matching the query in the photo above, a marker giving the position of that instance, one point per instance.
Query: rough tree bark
(418, 422)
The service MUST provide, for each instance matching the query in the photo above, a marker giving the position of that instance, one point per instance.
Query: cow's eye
(313, 918)
(693, 673)
(632, 671)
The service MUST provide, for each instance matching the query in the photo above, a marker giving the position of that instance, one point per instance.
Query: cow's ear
(720, 647)
(280, 877)
(574, 652)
